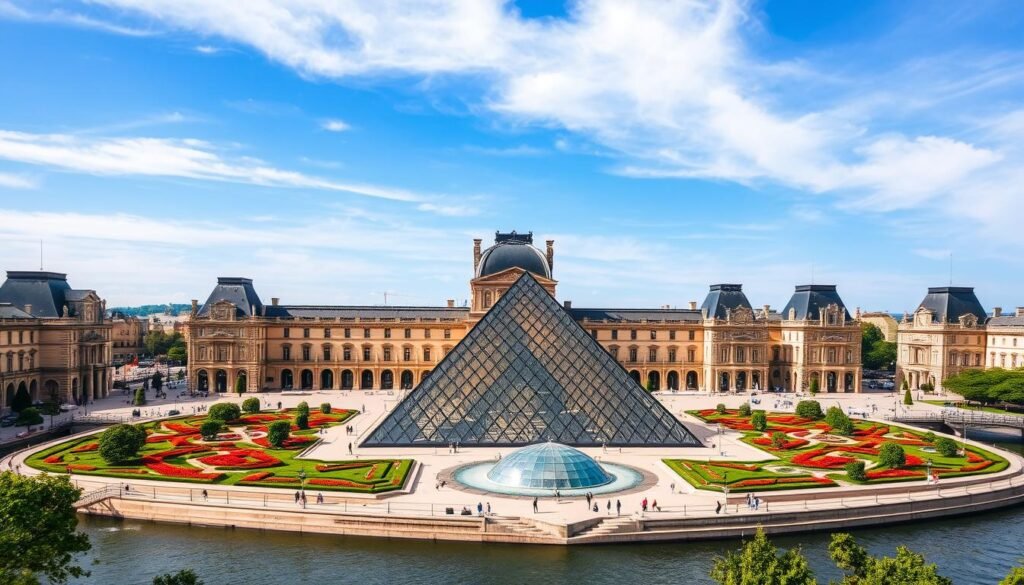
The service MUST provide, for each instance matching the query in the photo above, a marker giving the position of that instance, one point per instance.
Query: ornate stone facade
(946, 334)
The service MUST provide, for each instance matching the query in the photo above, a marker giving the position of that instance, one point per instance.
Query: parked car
(8, 421)
(67, 407)
(173, 412)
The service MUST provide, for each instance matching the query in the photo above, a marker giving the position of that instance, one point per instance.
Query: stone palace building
(725, 345)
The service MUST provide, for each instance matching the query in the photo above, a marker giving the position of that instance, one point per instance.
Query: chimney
(997, 311)
(28, 309)
(567, 304)
(274, 301)
(195, 307)
(767, 309)
(551, 256)
(476, 253)
(856, 314)
(1020, 311)
(693, 305)
(451, 302)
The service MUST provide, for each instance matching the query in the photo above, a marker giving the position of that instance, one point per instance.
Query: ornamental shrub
(302, 421)
(209, 429)
(907, 398)
(759, 421)
(892, 455)
(121, 443)
(325, 408)
(837, 419)
(778, 439)
(815, 387)
(945, 446)
(809, 409)
(21, 400)
(239, 385)
(140, 397)
(302, 408)
(855, 471)
(28, 417)
(929, 436)
(251, 405)
(277, 433)
(224, 411)
(720, 408)
(745, 409)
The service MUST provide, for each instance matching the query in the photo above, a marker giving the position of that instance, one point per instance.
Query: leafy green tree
(178, 353)
(892, 455)
(28, 417)
(809, 409)
(277, 432)
(758, 563)
(302, 421)
(181, 375)
(251, 405)
(240, 385)
(907, 398)
(945, 446)
(224, 411)
(778, 439)
(209, 429)
(837, 419)
(855, 471)
(157, 381)
(182, 577)
(815, 386)
(325, 408)
(863, 569)
(38, 530)
(1016, 577)
(988, 386)
(140, 397)
(302, 408)
(759, 420)
(876, 353)
(21, 399)
(745, 409)
(720, 409)
(121, 443)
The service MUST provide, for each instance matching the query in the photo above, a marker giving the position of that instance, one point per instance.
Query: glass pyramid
(527, 372)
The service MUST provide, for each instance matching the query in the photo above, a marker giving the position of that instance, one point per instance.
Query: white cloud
(167, 157)
(207, 49)
(12, 181)
(335, 125)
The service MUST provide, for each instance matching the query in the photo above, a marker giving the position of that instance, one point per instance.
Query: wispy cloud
(511, 151)
(13, 11)
(12, 181)
(335, 125)
(207, 49)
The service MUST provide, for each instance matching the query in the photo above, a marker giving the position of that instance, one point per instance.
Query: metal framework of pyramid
(528, 372)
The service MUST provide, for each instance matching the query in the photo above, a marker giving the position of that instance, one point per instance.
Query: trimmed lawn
(240, 455)
(811, 456)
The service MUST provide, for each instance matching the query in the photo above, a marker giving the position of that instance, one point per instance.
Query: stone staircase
(607, 527)
(519, 527)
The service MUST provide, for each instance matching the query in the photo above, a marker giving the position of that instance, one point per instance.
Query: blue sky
(335, 151)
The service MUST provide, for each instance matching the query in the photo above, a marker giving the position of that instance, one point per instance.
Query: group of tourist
(300, 498)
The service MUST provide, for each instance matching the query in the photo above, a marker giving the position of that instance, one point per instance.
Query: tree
(988, 386)
(946, 446)
(224, 411)
(302, 408)
(21, 399)
(892, 455)
(720, 409)
(251, 405)
(121, 443)
(778, 439)
(302, 421)
(1016, 577)
(650, 385)
(158, 381)
(837, 419)
(876, 353)
(178, 353)
(325, 408)
(38, 536)
(28, 417)
(140, 397)
(745, 409)
(758, 563)
(906, 567)
(277, 433)
(815, 387)
(240, 385)
(182, 577)
(759, 420)
(181, 375)
(809, 409)
(855, 471)
(209, 429)
(907, 398)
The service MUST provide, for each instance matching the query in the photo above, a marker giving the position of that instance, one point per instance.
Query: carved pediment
(739, 315)
(223, 311)
(508, 276)
(968, 320)
(91, 336)
(222, 333)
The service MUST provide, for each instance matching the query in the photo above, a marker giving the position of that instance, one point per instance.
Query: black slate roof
(810, 299)
(45, 291)
(950, 302)
(513, 250)
(624, 315)
(9, 311)
(723, 297)
(236, 290)
(364, 312)
(1006, 321)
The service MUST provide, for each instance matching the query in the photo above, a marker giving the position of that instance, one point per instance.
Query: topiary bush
(302, 408)
(809, 409)
(837, 419)
(815, 386)
(929, 436)
(325, 408)
(778, 439)
(121, 443)
(277, 433)
(759, 420)
(745, 409)
(907, 398)
(140, 397)
(892, 455)
(946, 446)
(720, 408)
(209, 429)
(302, 421)
(251, 405)
(224, 411)
(855, 471)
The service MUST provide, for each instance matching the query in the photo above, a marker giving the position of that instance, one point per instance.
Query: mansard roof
(527, 372)
(238, 291)
(9, 311)
(949, 303)
(809, 299)
(46, 291)
(634, 315)
(723, 298)
(365, 312)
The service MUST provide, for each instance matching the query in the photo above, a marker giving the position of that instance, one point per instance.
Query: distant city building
(885, 322)
(726, 345)
(54, 340)
(945, 335)
(127, 334)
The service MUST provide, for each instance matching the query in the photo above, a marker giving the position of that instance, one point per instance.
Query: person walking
(609, 507)
(319, 498)
(479, 508)
(488, 508)
(718, 507)
(643, 505)
(206, 495)
(297, 495)
(350, 448)
(618, 508)
(534, 505)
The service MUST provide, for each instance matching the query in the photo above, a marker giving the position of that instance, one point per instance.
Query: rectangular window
(407, 354)
(305, 353)
(348, 333)
(366, 354)
(447, 333)
(654, 334)
(755, 356)
(593, 333)
(327, 333)
(286, 352)
(346, 354)
(693, 334)
(632, 354)
(327, 353)
(426, 334)
(632, 333)
(691, 355)
(366, 333)
(615, 352)
(615, 333)
(725, 355)
(426, 354)
(305, 332)
(671, 355)
(387, 333)
(741, 355)
(672, 335)
(287, 332)
(408, 333)
(387, 354)
(652, 355)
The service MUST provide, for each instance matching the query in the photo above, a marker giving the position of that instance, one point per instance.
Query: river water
(977, 549)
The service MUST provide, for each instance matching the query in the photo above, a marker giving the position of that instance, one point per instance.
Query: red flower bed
(81, 467)
(736, 466)
(913, 461)
(241, 459)
(754, 482)
(259, 476)
(156, 463)
(326, 467)
(790, 444)
(973, 457)
(857, 449)
(789, 419)
(281, 480)
(977, 466)
(818, 459)
(259, 418)
(54, 459)
(889, 473)
(326, 481)
(290, 443)
(86, 448)
(802, 433)
(182, 429)
(808, 479)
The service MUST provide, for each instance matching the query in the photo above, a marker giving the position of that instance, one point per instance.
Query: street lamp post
(725, 488)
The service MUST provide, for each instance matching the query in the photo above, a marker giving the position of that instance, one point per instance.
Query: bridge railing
(957, 418)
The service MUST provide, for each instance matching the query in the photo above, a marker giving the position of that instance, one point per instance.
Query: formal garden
(815, 449)
(227, 445)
